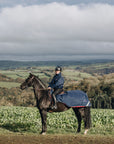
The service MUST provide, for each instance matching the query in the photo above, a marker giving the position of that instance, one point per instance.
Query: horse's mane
(40, 81)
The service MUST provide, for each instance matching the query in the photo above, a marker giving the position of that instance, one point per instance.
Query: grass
(9, 84)
(75, 75)
(15, 73)
(102, 66)
(27, 120)
(22, 73)
(69, 74)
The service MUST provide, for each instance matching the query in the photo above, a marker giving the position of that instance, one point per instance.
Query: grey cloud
(10, 3)
(57, 28)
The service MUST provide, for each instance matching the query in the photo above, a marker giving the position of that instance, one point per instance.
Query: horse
(43, 102)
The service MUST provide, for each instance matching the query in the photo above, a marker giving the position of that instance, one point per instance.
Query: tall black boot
(54, 106)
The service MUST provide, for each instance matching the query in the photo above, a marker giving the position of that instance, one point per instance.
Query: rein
(41, 89)
(40, 83)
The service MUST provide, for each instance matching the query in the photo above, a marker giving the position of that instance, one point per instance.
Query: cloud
(57, 28)
(10, 3)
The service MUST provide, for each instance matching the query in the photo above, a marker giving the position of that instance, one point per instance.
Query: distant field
(9, 84)
(15, 73)
(75, 75)
(101, 66)
(22, 73)
(43, 72)
(71, 73)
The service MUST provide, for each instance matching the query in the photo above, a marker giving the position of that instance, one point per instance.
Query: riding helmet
(58, 68)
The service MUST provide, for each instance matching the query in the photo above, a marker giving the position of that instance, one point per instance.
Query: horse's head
(28, 82)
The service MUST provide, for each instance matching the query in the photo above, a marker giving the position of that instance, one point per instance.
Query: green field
(9, 84)
(72, 72)
(74, 75)
(43, 73)
(27, 120)
(15, 73)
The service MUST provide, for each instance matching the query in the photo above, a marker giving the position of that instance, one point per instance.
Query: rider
(57, 84)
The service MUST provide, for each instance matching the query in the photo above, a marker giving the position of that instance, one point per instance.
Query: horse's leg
(85, 114)
(79, 118)
(43, 114)
(87, 119)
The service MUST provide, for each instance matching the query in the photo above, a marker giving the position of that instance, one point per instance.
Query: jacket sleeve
(51, 83)
(60, 82)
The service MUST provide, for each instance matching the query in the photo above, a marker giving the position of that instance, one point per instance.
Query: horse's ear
(30, 74)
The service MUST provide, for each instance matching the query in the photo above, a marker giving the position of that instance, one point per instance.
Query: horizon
(72, 57)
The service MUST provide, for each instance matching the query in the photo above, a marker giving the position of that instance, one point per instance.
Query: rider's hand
(49, 88)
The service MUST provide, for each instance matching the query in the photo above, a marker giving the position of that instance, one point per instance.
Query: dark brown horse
(44, 102)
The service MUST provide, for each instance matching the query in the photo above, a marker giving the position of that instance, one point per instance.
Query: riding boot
(54, 106)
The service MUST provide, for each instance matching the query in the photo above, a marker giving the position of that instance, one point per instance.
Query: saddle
(50, 96)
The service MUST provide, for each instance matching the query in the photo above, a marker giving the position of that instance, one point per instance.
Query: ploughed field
(55, 139)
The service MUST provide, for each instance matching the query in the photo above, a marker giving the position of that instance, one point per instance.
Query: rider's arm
(51, 83)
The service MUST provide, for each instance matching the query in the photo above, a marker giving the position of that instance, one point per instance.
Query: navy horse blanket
(74, 98)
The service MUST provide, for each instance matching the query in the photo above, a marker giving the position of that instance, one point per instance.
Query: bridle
(30, 81)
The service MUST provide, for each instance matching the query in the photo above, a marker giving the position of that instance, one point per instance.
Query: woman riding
(56, 84)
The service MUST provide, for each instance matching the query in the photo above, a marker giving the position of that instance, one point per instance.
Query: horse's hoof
(85, 131)
(43, 133)
(78, 131)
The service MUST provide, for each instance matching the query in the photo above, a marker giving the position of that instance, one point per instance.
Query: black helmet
(58, 68)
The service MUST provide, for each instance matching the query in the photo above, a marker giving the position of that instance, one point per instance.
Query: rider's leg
(54, 102)
(56, 92)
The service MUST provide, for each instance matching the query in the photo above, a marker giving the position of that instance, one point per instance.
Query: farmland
(9, 85)
(72, 71)
(22, 125)
(27, 120)
(96, 79)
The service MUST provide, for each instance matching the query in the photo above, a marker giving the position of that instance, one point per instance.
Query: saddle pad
(74, 98)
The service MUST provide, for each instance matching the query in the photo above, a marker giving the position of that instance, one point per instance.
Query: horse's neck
(40, 83)
(38, 88)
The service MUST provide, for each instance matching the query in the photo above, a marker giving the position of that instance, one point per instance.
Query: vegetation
(100, 90)
(90, 77)
(21, 119)
(26, 119)
(9, 84)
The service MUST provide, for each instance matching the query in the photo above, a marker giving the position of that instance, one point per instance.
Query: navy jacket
(57, 82)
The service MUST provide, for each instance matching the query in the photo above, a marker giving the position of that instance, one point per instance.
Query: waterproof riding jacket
(57, 82)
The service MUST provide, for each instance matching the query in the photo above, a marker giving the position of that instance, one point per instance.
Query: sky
(59, 29)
